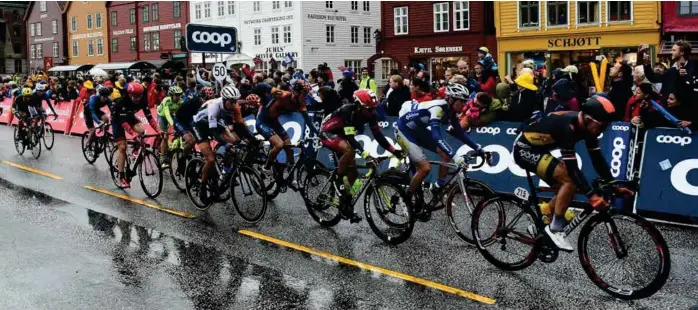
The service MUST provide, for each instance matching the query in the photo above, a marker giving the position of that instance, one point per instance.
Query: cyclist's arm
(597, 159)
(213, 110)
(379, 136)
(92, 104)
(50, 105)
(435, 123)
(166, 112)
(309, 123)
(569, 157)
(460, 134)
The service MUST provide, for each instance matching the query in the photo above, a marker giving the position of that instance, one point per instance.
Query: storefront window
(619, 10)
(588, 12)
(557, 13)
(528, 14)
(386, 66)
(439, 65)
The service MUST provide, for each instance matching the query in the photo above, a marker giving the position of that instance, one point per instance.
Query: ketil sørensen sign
(219, 72)
(211, 39)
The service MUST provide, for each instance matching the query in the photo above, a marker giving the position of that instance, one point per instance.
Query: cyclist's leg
(163, 125)
(120, 138)
(346, 166)
(564, 196)
(414, 152)
(202, 134)
(276, 142)
(89, 123)
(281, 132)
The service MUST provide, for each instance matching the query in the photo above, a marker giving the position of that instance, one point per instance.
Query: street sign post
(219, 72)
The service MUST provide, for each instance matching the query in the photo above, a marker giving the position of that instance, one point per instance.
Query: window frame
(133, 43)
(256, 6)
(89, 21)
(32, 30)
(354, 6)
(231, 7)
(221, 8)
(39, 30)
(42, 6)
(288, 4)
(100, 40)
(55, 51)
(329, 5)
(519, 24)
(90, 46)
(547, 19)
(352, 38)
(351, 63)
(114, 21)
(447, 5)
(396, 17)
(257, 36)
(207, 9)
(54, 26)
(608, 13)
(385, 70)
(366, 6)
(197, 11)
(176, 9)
(76, 48)
(98, 20)
(132, 16)
(274, 35)
(330, 35)
(114, 45)
(290, 36)
(690, 9)
(276, 5)
(155, 12)
(367, 35)
(74, 24)
(462, 10)
(577, 10)
(32, 51)
(146, 13)
(177, 38)
(39, 50)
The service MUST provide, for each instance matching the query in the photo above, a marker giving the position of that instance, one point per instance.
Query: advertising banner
(6, 116)
(79, 126)
(211, 39)
(64, 110)
(294, 125)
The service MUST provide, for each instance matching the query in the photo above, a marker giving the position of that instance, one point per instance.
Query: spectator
(621, 87)
(367, 82)
(682, 76)
(643, 114)
(330, 100)
(420, 91)
(396, 96)
(463, 67)
(562, 99)
(347, 88)
(660, 68)
(685, 112)
(478, 111)
(525, 99)
(486, 81)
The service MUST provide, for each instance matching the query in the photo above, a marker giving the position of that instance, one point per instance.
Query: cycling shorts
(269, 127)
(181, 128)
(333, 142)
(117, 125)
(535, 159)
(87, 115)
(36, 111)
(163, 124)
(202, 133)
(412, 143)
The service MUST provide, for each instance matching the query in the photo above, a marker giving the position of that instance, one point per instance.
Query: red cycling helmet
(301, 86)
(207, 93)
(366, 98)
(253, 100)
(135, 88)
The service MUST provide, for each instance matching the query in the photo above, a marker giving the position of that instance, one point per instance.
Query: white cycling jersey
(212, 110)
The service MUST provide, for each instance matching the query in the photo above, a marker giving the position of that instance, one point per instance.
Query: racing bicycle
(102, 142)
(292, 176)
(139, 159)
(621, 252)
(27, 138)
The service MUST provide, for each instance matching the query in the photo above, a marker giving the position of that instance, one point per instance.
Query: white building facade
(339, 33)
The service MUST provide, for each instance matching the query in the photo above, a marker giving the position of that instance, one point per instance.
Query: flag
(287, 60)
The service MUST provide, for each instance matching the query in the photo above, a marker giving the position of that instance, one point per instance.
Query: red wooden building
(147, 30)
(435, 34)
(679, 22)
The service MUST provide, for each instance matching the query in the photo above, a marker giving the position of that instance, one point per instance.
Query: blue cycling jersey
(95, 104)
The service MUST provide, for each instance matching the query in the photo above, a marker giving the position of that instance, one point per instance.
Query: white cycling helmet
(457, 91)
(230, 92)
(40, 87)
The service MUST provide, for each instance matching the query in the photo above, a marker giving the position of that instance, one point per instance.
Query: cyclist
(124, 112)
(20, 108)
(213, 118)
(167, 107)
(183, 120)
(338, 133)
(37, 98)
(270, 128)
(562, 130)
(412, 134)
(93, 111)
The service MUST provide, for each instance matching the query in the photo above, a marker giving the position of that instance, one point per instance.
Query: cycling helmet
(103, 91)
(88, 85)
(599, 108)
(457, 91)
(26, 91)
(135, 88)
(40, 87)
(366, 98)
(253, 100)
(207, 93)
(175, 91)
(300, 86)
(230, 92)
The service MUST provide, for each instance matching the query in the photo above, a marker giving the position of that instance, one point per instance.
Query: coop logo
(488, 130)
(512, 131)
(679, 177)
(211, 39)
(674, 140)
(215, 38)
(616, 156)
(621, 128)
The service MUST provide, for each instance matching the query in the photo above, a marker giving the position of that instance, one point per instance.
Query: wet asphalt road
(67, 247)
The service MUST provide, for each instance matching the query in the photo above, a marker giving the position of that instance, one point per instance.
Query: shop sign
(86, 35)
(123, 31)
(39, 40)
(268, 19)
(327, 17)
(278, 52)
(438, 49)
(566, 42)
(162, 27)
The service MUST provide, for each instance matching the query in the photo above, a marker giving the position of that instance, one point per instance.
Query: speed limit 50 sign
(219, 72)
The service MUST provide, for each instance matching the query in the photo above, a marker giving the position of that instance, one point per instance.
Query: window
(619, 11)
(114, 45)
(32, 53)
(329, 4)
(91, 48)
(207, 9)
(386, 66)
(146, 42)
(275, 5)
(355, 5)
(32, 30)
(367, 6)
(528, 14)
(75, 48)
(131, 16)
(557, 13)
(288, 4)
(588, 12)
(274, 35)
(255, 6)
(441, 17)
(400, 20)
(54, 26)
(132, 44)
(177, 34)
(329, 33)
(89, 21)
(114, 21)
(156, 40)
(54, 50)
(197, 10)
(367, 35)
(155, 11)
(40, 50)
(257, 36)
(146, 13)
(42, 6)
(231, 7)
(38, 29)
(354, 34)
(73, 24)
(176, 9)
(221, 8)
(100, 47)
(287, 34)
(354, 64)
(461, 15)
(688, 8)
(98, 20)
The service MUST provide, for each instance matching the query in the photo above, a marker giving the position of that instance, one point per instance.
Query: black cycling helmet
(599, 108)
(104, 91)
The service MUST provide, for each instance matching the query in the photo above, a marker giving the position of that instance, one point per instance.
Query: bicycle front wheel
(150, 174)
(48, 136)
(388, 213)
(249, 201)
(107, 146)
(19, 141)
(36, 143)
(460, 207)
(192, 181)
(323, 199)
(624, 255)
(88, 151)
(177, 171)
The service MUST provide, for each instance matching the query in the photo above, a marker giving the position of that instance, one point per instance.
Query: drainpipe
(137, 30)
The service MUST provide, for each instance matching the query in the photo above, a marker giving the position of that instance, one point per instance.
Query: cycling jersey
(184, 116)
(165, 110)
(37, 100)
(282, 104)
(558, 130)
(212, 114)
(124, 111)
(21, 104)
(93, 111)
(343, 125)
(414, 119)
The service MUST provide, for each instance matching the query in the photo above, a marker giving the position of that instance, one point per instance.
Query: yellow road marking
(142, 202)
(39, 172)
(346, 261)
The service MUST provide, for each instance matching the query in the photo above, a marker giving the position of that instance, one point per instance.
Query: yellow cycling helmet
(88, 85)
(26, 91)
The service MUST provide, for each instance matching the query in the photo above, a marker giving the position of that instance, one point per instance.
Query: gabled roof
(61, 5)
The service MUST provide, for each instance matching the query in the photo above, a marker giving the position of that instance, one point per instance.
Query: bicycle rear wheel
(107, 146)
(323, 200)
(387, 202)
(19, 142)
(150, 174)
(505, 231)
(629, 247)
(177, 171)
(192, 181)
(36, 142)
(460, 207)
(248, 200)
(48, 136)
(88, 151)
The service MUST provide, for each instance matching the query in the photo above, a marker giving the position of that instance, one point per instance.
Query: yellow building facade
(86, 23)
(560, 33)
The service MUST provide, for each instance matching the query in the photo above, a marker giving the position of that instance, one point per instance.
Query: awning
(240, 58)
(71, 68)
(665, 48)
(158, 63)
(138, 65)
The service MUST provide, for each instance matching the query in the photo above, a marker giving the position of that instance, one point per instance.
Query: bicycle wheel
(150, 174)
(177, 171)
(624, 255)
(19, 141)
(248, 201)
(192, 181)
(88, 151)
(107, 146)
(36, 143)
(459, 207)
(48, 136)
(323, 199)
(387, 202)
(505, 232)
